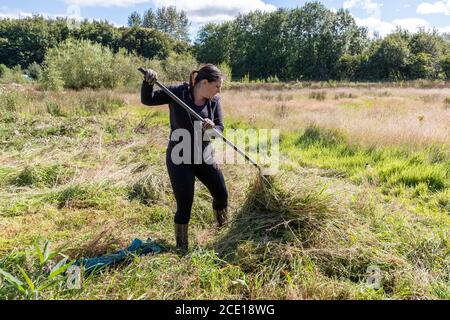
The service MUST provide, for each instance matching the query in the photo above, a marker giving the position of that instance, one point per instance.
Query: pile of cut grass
(291, 232)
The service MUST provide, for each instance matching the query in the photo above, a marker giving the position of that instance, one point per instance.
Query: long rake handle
(198, 117)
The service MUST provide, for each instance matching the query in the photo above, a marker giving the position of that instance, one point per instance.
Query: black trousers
(182, 177)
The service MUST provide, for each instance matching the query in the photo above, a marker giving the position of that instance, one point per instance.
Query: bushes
(14, 75)
(79, 64)
(34, 71)
(82, 64)
(3, 70)
(10, 101)
(177, 67)
(226, 70)
(445, 65)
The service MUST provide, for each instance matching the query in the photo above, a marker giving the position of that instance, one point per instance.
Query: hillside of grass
(85, 171)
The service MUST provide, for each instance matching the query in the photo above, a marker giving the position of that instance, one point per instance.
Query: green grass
(396, 171)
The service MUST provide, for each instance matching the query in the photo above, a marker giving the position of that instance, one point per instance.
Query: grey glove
(150, 76)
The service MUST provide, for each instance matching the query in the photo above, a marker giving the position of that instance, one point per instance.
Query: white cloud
(384, 27)
(371, 7)
(104, 3)
(17, 14)
(375, 25)
(411, 24)
(444, 29)
(436, 7)
(204, 11)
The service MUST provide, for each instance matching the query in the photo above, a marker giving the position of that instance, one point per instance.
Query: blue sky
(378, 15)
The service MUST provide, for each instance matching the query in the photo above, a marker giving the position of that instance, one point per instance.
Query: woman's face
(210, 89)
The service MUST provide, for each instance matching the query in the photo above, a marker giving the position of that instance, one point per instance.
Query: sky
(381, 16)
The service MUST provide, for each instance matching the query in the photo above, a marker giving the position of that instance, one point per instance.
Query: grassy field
(364, 182)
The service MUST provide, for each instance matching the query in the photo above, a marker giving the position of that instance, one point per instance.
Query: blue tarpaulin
(137, 247)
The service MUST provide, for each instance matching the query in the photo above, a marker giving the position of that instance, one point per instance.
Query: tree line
(315, 43)
(26, 41)
(306, 43)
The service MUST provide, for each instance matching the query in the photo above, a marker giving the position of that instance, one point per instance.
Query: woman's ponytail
(209, 72)
(192, 82)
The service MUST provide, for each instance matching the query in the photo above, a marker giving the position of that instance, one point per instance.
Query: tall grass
(369, 116)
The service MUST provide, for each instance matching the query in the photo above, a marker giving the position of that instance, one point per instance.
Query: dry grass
(377, 117)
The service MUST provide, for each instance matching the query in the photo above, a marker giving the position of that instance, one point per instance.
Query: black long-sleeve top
(179, 117)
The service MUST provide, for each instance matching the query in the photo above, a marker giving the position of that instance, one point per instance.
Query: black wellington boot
(221, 217)
(181, 237)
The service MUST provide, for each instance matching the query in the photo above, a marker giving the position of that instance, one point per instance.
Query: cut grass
(43, 176)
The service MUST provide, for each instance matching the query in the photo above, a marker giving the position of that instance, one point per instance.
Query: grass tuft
(43, 176)
(147, 189)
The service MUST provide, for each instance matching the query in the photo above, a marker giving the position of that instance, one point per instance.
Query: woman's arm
(153, 98)
(218, 116)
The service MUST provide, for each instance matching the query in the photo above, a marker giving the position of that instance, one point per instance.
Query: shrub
(14, 75)
(34, 71)
(81, 64)
(226, 70)
(445, 65)
(52, 78)
(3, 70)
(177, 67)
(125, 65)
(245, 78)
(422, 66)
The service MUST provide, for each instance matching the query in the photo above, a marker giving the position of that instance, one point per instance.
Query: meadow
(364, 183)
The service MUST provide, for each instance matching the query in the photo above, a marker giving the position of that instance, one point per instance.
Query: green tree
(134, 20)
(214, 43)
(347, 68)
(148, 43)
(422, 66)
(173, 22)
(101, 32)
(318, 38)
(445, 65)
(392, 56)
(299, 43)
(427, 50)
(269, 51)
(24, 41)
(149, 20)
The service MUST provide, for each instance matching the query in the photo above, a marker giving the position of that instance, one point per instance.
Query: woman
(201, 95)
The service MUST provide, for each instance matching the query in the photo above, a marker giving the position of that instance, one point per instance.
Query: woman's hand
(208, 124)
(150, 76)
